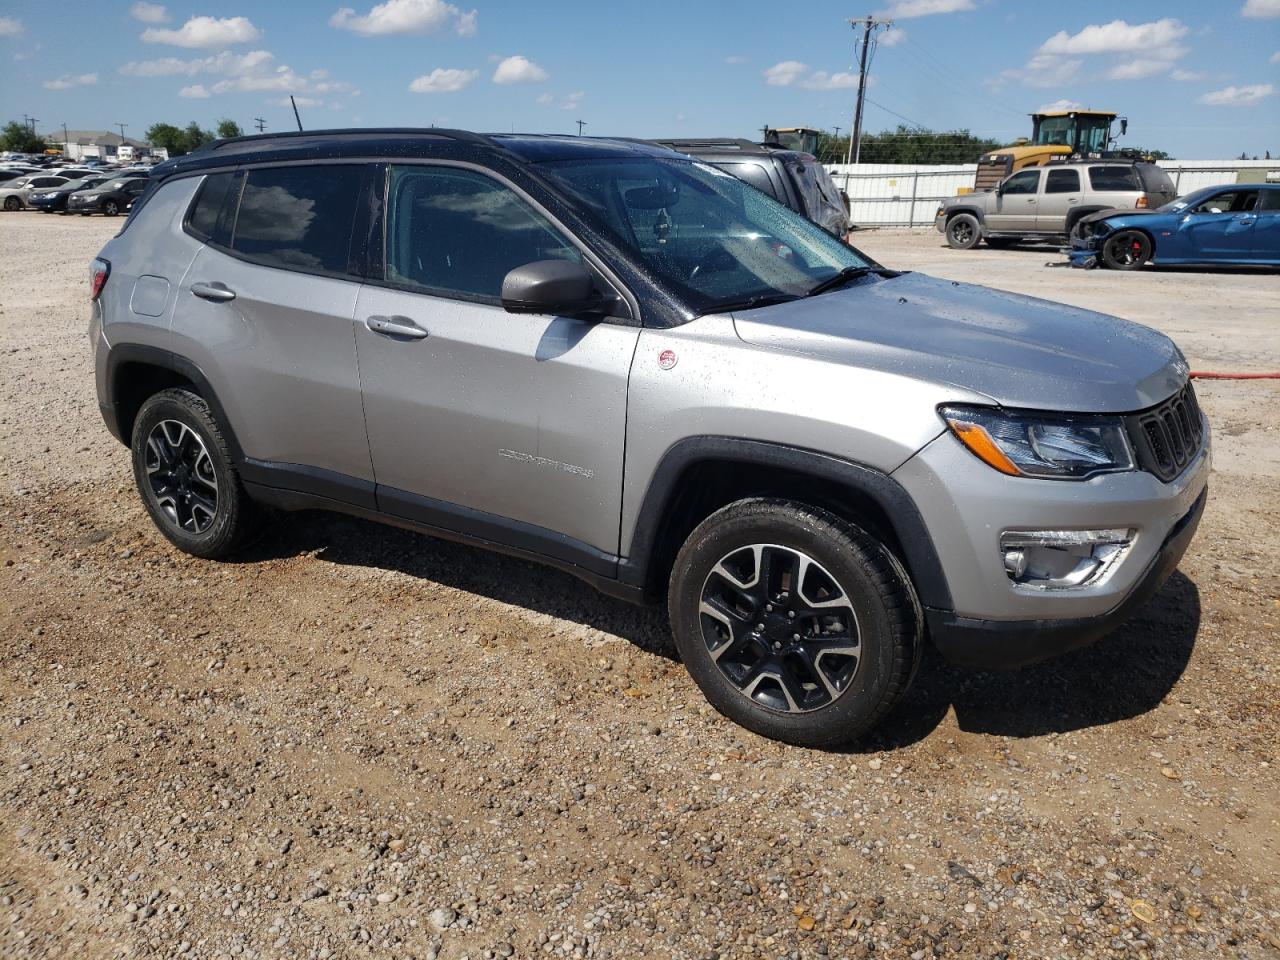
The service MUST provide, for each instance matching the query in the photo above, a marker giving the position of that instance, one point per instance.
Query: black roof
(405, 142)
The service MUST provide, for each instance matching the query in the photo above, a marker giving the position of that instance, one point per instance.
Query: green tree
(228, 128)
(19, 138)
(195, 136)
(910, 145)
(167, 137)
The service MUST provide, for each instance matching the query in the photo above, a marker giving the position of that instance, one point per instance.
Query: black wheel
(963, 232)
(110, 208)
(1126, 250)
(185, 475)
(793, 623)
(12, 203)
(1001, 243)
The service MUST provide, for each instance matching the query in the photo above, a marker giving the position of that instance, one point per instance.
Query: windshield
(116, 184)
(1189, 200)
(713, 238)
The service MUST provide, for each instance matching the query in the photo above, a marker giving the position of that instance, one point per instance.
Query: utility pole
(869, 26)
(262, 124)
(66, 141)
(581, 124)
(121, 126)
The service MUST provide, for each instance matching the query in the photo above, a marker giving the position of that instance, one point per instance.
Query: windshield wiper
(838, 280)
(750, 303)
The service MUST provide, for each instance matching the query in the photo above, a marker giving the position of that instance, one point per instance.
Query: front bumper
(1007, 644)
(966, 506)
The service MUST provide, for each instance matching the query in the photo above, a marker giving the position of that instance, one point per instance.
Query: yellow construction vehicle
(1054, 134)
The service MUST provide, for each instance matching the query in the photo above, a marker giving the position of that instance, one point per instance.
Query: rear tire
(110, 208)
(963, 232)
(794, 623)
(186, 477)
(1126, 250)
(12, 203)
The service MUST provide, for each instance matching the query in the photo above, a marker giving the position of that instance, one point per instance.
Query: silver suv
(1042, 202)
(613, 359)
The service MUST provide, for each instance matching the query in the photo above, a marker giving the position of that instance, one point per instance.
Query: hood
(1019, 351)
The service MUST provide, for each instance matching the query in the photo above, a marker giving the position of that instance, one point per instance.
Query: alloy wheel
(181, 476)
(780, 628)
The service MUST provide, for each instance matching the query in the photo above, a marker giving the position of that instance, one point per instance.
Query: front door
(1222, 225)
(1016, 204)
(504, 426)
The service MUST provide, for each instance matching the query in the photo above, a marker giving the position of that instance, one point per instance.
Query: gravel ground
(358, 742)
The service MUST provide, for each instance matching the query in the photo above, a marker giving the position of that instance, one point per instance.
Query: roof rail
(465, 136)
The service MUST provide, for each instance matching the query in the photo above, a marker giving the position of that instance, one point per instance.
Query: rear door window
(1113, 179)
(1063, 181)
(299, 218)
(458, 233)
(1269, 200)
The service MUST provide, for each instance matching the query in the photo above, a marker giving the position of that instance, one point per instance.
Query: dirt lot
(360, 742)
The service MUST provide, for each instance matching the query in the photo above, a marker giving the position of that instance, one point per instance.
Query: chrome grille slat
(1168, 436)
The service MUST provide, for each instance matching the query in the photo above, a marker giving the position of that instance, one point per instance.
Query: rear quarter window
(1113, 179)
(209, 217)
(1155, 180)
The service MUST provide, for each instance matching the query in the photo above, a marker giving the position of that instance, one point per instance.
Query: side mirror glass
(561, 287)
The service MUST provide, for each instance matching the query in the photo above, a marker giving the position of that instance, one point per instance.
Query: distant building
(101, 145)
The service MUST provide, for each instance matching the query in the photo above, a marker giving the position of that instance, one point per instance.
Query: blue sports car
(1236, 224)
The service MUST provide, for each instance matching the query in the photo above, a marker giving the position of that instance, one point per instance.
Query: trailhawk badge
(667, 359)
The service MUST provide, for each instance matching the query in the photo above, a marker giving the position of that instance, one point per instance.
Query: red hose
(1209, 375)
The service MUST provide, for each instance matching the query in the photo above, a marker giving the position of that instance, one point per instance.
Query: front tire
(1126, 250)
(963, 232)
(110, 208)
(185, 475)
(12, 203)
(794, 623)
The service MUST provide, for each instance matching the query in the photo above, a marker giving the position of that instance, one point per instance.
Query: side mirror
(551, 286)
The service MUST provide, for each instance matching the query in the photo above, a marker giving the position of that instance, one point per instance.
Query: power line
(869, 26)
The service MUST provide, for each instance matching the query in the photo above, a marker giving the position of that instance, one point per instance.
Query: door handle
(216, 291)
(1073, 200)
(395, 327)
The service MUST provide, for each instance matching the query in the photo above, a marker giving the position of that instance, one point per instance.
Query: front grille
(1168, 436)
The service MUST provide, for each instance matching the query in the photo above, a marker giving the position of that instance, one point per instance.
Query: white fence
(907, 195)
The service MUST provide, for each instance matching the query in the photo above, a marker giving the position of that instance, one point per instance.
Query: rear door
(1266, 232)
(504, 426)
(1061, 194)
(266, 311)
(1016, 204)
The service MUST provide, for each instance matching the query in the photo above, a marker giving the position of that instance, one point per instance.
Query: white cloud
(892, 37)
(149, 12)
(1062, 104)
(1139, 68)
(1117, 37)
(67, 81)
(197, 91)
(545, 99)
(1238, 96)
(405, 16)
(250, 72)
(10, 27)
(573, 100)
(1275, 57)
(1186, 75)
(1260, 8)
(205, 32)
(1042, 70)
(300, 101)
(442, 80)
(225, 62)
(794, 73)
(734, 60)
(904, 9)
(519, 70)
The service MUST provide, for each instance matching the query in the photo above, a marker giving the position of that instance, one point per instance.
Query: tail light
(98, 274)
(1142, 203)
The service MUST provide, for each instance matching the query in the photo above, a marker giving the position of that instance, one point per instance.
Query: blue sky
(1196, 79)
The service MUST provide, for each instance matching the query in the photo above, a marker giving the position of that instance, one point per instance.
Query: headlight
(1059, 447)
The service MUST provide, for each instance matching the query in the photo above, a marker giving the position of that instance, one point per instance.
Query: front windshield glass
(1190, 200)
(1055, 130)
(713, 238)
(116, 184)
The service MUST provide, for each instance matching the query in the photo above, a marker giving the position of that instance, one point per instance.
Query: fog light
(1062, 559)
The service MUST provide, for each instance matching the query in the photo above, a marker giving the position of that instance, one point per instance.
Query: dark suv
(794, 179)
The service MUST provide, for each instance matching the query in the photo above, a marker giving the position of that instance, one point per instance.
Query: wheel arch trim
(919, 554)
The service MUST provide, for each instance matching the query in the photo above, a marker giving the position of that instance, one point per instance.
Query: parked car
(55, 200)
(16, 193)
(76, 173)
(796, 180)
(110, 198)
(1039, 203)
(826, 460)
(1237, 224)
